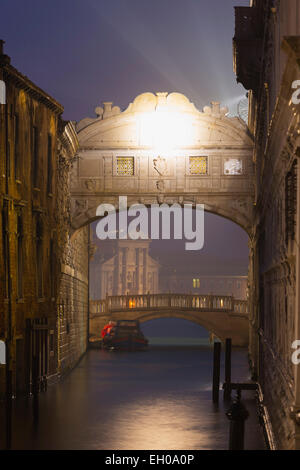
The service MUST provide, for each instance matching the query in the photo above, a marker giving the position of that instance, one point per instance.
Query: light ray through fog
(186, 59)
(151, 43)
(114, 50)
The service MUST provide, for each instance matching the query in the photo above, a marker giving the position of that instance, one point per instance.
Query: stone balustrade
(168, 301)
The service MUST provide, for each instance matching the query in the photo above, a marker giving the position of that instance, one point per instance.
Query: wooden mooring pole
(35, 390)
(216, 372)
(227, 384)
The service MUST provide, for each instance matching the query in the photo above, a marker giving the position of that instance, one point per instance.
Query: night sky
(83, 52)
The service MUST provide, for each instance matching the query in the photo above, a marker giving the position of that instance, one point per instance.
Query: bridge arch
(189, 316)
(222, 327)
(224, 316)
(163, 149)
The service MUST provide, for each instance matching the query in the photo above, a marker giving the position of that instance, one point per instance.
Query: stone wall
(274, 242)
(73, 307)
(72, 304)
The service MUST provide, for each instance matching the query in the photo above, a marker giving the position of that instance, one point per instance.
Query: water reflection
(160, 399)
(168, 423)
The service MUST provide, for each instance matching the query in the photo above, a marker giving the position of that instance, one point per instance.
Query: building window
(198, 165)
(16, 146)
(35, 155)
(5, 248)
(290, 202)
(51, 343)
(125, 166)
(39, 258)
(196, 283)
(49, 164)
(20, 261)
(52, 270)
(8, 160)
(233, 166)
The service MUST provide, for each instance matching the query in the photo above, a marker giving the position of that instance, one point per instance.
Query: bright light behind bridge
(165, 131)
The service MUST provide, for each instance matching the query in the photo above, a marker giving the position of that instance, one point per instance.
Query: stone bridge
(221, 315)
(162, 149)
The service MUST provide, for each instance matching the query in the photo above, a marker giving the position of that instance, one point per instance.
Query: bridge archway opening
(224, 240)
(224, 258)
(91, 217)
(176, 330)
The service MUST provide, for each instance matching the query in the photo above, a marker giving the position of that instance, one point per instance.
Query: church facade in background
(123, 267)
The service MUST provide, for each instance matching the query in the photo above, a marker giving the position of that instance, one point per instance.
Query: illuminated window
(125, 166)
(196, 283)
(233, 166)
(198, 165)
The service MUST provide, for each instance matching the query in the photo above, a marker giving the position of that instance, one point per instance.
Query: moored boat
(124, 335)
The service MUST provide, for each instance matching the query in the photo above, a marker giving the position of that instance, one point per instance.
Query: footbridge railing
(209, 302)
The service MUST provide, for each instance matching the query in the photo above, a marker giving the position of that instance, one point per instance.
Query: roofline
(11, 73)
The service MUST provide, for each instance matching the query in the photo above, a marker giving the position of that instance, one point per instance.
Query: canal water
(158, 399)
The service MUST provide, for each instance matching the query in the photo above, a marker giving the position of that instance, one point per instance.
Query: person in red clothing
(107, 328)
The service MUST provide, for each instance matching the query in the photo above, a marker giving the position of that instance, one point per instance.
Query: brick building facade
(37, 149)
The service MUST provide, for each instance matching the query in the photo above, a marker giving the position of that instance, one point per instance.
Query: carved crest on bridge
(160, 165)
